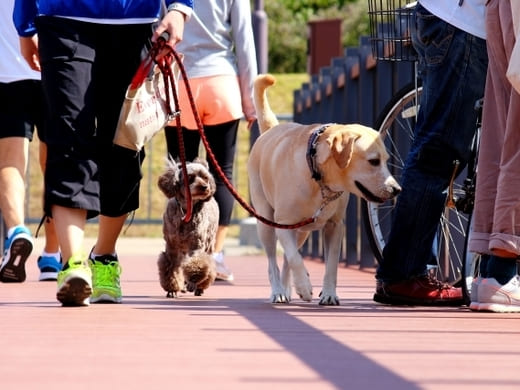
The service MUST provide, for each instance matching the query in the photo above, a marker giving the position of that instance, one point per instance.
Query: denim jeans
(452, 66)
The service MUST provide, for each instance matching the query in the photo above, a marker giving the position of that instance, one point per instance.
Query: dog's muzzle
(371, 197)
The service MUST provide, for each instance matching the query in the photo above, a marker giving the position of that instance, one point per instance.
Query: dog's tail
(266, 117)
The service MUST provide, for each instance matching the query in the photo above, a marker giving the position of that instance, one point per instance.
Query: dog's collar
(312, 147)
(327, 194)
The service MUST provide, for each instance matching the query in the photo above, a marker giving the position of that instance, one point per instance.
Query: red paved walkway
(233, 338)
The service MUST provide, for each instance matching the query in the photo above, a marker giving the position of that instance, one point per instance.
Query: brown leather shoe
(420, 291)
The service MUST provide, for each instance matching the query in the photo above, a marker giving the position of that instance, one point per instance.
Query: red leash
(163, 55)
(165, 66)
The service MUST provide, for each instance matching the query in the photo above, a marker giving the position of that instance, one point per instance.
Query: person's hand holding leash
(173, 25)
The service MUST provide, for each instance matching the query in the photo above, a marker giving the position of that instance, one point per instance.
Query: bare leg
(221, 237)
(70, 230)
(109, 230)
(51, 239)
(13, 164)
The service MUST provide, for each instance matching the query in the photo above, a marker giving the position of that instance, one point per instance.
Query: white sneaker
(223, 273)
(474, 305)
(492, 296)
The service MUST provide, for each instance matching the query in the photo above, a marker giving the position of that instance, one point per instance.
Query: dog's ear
(167, 182)
(342, 147)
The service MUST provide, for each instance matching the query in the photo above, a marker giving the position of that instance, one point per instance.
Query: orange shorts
(217, 99)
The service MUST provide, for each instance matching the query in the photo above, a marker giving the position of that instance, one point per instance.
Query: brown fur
(187, 262)
(350, 159)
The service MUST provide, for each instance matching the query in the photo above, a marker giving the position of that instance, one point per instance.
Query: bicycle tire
(396, 124)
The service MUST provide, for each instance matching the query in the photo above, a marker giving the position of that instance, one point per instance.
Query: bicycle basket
(390, 22)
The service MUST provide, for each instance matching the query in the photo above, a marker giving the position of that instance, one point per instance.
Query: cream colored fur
(350, 158)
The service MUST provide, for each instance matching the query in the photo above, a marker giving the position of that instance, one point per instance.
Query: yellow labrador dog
(299, 171)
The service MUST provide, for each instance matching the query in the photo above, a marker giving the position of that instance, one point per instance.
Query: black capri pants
(222, 141)
(86, 69)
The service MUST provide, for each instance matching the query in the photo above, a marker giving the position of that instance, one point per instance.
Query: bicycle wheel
(396, 124)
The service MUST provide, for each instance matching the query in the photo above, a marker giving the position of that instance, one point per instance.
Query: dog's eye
(191, 178)
(375, 162)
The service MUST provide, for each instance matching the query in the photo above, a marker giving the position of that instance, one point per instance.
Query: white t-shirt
(12, 65)
(469, 17)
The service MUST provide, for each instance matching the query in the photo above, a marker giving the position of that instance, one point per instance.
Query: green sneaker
(105, 279)
(75, 283)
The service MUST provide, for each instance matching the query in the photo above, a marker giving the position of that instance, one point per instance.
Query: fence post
(315, 99)
(297, 105)
(338, 77)
(326, 105)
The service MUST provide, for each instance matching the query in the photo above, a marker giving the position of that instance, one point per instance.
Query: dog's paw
(280, 298)
(171, 294)
(303, 288)
(191, 287)
(329, 299)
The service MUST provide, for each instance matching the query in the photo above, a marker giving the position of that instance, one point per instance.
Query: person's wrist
(182, 8)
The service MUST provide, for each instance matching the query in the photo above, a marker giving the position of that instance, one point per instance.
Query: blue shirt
(115, 11)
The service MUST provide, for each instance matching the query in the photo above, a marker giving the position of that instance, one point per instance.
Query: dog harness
(327, 194)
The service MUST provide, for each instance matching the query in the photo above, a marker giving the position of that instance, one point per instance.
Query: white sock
(11, 231)
(56, 255)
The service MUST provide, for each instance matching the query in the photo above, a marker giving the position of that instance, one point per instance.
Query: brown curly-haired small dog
(187, 262)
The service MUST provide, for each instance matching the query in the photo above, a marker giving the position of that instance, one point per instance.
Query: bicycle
(390, 22)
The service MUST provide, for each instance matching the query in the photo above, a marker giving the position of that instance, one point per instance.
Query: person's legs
(453, 68)
(496, 227)
(51, 240)
(17, 118)
(218, 106)
(49, 261)
(18, 242)
(75, 279)
(222, 141)
(119, 168)
(71, 173)
(191, 141)
(13, 161)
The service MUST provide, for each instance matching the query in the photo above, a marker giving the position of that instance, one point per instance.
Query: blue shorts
(21, 109)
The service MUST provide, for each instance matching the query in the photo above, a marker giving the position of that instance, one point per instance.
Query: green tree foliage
(307, 8)
(288, 28)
